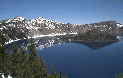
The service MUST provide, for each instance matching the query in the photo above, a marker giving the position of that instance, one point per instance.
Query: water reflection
(43, 42)
(96, 45)
(40, 43)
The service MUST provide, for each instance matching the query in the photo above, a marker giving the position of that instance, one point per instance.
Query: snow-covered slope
(20, 28)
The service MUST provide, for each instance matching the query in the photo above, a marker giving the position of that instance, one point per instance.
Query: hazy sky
(66, 11)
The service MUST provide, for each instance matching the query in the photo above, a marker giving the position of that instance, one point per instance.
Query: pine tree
(3, 56)
(13, 62)
(2, 46)
(43, 72)
(31, 49)
(64, 76)
(55, 76)
(52, 74)
(115, 75)
(52, 70)
(119, 76)
(60, 76)
(22, 64)
(33, 59)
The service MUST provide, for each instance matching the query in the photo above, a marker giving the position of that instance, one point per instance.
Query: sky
(65, 11)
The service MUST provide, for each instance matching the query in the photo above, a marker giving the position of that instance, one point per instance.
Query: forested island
(94, 35)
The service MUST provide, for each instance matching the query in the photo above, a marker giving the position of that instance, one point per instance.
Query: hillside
(94, 35)
(20, 28)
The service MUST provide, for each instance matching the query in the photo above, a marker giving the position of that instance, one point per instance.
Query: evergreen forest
(18, 64)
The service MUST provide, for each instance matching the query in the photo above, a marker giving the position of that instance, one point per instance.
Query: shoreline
(10, 41)
(91, 41)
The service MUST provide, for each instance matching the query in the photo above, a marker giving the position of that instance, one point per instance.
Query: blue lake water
(80, 61)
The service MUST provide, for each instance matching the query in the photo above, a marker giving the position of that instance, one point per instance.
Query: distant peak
(18, 17)
(40, 17)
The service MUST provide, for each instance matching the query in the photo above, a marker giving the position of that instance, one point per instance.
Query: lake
(79, 59)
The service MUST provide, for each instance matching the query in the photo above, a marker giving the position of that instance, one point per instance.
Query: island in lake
(94, 35)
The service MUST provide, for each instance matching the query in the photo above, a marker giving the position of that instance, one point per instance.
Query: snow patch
(10, 41)
(1, 28)
(4, 77)
(73, 33)
(47, 35)
(119, 25)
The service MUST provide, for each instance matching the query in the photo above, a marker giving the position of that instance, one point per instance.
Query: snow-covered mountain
(20, 28)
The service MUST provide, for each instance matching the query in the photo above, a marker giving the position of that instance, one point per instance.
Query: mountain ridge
(20, 28)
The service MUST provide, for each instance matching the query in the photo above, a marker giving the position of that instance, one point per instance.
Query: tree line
(18, 64)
